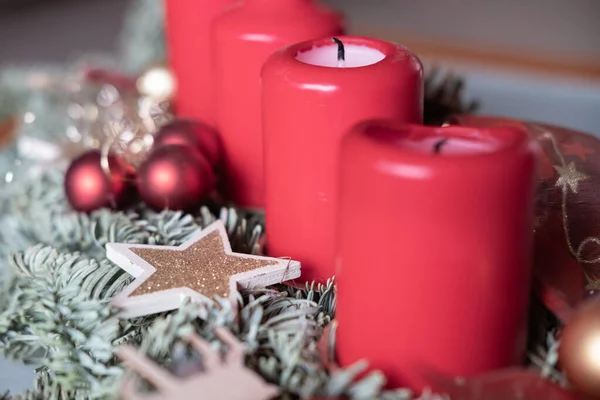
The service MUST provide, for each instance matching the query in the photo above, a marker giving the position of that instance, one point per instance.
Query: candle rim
(507, 139)
(374, 55)
(276, 2)
(400, 65)
(392, 52)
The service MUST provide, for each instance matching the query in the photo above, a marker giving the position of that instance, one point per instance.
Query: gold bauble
(579, 351)
(157, 82)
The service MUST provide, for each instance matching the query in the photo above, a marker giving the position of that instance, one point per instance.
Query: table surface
(15, 377)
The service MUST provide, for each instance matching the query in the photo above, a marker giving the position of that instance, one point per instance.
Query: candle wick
(438, 146)
(341, 53)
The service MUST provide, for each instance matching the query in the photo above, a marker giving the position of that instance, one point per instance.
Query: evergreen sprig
(57, 314)
(61, 302)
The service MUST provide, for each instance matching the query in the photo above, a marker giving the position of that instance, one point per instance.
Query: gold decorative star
(202, 268)
(569, 177)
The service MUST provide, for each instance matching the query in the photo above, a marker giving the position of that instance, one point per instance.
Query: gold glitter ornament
(579, 351)
(202, 268)
(569, 177)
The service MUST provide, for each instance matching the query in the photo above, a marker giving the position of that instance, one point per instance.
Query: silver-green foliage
(142, 37)
(58, 285)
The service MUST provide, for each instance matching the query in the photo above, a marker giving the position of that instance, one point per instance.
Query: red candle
(188, 35)
(244, 38)
(435, 232)
(310, 99)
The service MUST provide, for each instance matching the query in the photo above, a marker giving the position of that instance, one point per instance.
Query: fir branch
(245, 230)
(323, 295)
(142, 39)
(281, 343)
(27, 219)
(27, 213)
(58, 314)
(444, 97)
(168, 227)
(70, 330)
(90, 233)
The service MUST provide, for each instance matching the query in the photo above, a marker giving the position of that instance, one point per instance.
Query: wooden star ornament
(202, 268)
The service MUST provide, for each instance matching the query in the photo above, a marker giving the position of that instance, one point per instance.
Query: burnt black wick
(341, 50)
(438, 146)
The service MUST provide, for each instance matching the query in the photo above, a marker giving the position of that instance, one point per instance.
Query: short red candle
(306, 110)
(244, 37)
(435, 231)
(188, 35)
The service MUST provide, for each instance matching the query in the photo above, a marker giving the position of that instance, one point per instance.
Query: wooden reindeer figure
(224, 378)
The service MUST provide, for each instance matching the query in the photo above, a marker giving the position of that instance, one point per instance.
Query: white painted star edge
(154, 303)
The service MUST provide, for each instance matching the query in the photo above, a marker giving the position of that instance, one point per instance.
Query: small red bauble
(175, 177)
(89, 187)
(193, 134)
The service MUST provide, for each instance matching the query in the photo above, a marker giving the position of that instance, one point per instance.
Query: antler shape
(224, 378)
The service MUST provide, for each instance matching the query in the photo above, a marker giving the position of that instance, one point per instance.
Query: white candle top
(438, 142)
(327, 56)
(449, 145)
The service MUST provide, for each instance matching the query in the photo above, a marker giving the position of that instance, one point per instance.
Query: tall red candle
(309, 102)
(188, 37)
(435, 232)
(244, 38)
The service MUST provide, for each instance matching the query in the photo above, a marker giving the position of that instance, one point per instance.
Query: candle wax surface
(308, 105)
(450, 236)
(450, 145)
(457, 144)
(326, 56)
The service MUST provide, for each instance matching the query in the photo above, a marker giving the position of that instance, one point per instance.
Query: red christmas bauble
(193, 134)
(175, 177)
(89, 187)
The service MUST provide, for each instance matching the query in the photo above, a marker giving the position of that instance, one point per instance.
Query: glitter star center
(203, 267)
(569, 177)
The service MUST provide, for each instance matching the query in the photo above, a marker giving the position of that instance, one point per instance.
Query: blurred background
(538, 59)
